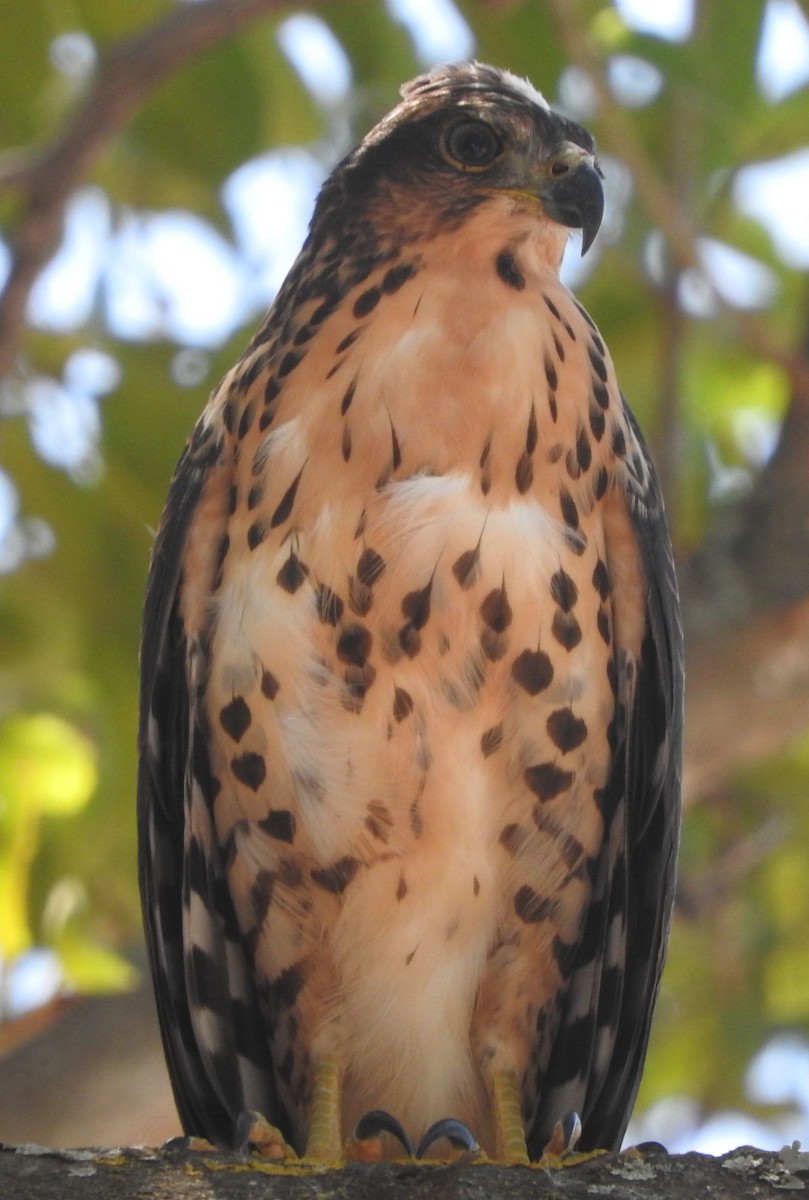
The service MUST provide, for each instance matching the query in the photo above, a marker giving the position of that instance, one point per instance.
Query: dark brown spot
(235, 718)
(475, 886)
(531, 907)
(285, 504)
(560, 350)
(416, 819)
(378, 822)
(598, 423)
(601, 483)
(603, 623)
(250, 769)
(402, 703)
(566, 629)
(396, 453)
(410, 957)
(552, 307)
(564, 590)
(507, 269)
(256, 534)
(345, 403)
(370, 566)
(366, 302)
(354, 645)
(255, 496)
(360, 597)
(513, 838)
(348, 341)
(565, 730)
(533, 671)
(279, 824)
(338, 876)
(222, 551)
(261, 895)
(550, 373)
(601, 579)
(329, 605)
(233, 499)
(531, 432)
(401, 888)
(553, 407)
(416, 605)
(246, 420)
(292, 574)
(269, 685)
(524, 473)
(547, 780)
(496, 610)
(303, 335)
(272, 389)
(586, 315)
(409, 640)
(598, 364)
(346, 444)
(288, 363)
(266, 419)
(229, 414)
(358, 678)
(485, 453)
(570, 514)
(584, 455)
(396, 276)
(286, 986)
(618, 442)
(491, 740)
(602, 396)
(466, 567)
(569, 846)
(572, 465)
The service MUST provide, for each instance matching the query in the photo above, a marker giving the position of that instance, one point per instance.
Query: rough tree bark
(31, 1173)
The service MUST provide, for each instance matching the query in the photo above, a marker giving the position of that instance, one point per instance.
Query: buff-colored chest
(412, 677)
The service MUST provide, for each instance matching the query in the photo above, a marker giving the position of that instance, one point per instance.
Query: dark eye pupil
(473, 144)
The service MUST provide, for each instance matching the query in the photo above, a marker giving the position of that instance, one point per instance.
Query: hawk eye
(472, 145)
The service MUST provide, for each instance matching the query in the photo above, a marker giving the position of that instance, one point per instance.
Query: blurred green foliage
(69, 621)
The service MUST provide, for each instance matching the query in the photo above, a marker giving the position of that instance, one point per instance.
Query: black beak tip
(577, 201)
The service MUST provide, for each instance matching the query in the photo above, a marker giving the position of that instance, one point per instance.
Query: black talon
(651, 1149)
(378, 1121)
(571, 1130)
(457, 1134)
(244, 1124)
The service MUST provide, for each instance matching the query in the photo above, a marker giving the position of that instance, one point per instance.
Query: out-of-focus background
(159, 167)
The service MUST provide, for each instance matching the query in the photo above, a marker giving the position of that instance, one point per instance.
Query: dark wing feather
(213, 1035)
(614, 969)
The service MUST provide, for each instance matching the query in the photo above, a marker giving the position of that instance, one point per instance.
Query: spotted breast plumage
(411, 669)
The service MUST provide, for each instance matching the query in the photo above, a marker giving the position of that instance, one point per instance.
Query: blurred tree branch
(129, 72)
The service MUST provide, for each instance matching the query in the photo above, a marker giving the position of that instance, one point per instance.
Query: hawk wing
(614, 969)
(214, 1036)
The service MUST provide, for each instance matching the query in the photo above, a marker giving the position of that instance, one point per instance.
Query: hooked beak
(574, 194)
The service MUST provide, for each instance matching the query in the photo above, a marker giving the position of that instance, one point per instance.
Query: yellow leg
(324, 1142)
(510, 1147)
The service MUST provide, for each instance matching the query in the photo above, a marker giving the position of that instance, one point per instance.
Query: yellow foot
(255, 1133)
(509, 1128)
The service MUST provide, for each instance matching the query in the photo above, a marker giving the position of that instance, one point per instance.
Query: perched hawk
(411, 669)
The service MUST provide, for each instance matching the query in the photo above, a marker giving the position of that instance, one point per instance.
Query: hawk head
(461, 136)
